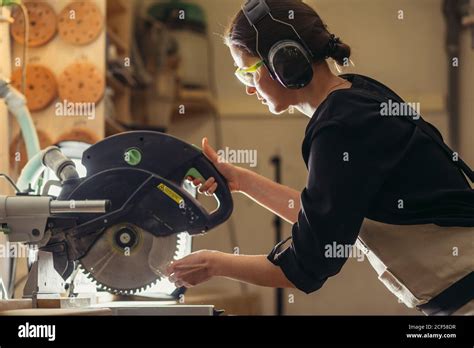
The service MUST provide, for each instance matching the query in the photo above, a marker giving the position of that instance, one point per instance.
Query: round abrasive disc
(42, 24)
(81, 83)
(79, 134)
(41, 87)
(80, 23)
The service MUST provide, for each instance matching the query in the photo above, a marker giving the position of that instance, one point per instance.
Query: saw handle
(222, 194)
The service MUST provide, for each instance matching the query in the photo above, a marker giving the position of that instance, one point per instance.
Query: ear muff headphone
(289, 61)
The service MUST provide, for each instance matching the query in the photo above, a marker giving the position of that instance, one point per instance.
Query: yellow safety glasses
(247, 75)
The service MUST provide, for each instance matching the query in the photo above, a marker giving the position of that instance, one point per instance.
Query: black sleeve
(342, 179)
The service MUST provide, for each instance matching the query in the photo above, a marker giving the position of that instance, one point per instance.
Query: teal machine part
(16, 104)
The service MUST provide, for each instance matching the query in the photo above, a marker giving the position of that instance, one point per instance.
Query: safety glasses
(247, 75)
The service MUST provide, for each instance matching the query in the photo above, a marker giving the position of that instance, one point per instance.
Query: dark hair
(306, 22)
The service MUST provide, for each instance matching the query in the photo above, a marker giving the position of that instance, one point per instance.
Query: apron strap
(451, 299)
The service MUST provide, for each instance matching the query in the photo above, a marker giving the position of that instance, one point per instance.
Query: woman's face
(269, 91)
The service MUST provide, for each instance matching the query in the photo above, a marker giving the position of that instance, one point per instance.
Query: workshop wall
(408, 55)
(4, 157)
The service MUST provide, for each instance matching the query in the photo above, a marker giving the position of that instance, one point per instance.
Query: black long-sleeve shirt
(361, 164)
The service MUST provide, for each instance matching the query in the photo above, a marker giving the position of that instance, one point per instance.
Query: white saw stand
(44, 284)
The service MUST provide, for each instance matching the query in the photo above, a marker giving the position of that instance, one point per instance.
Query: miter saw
(121, 222)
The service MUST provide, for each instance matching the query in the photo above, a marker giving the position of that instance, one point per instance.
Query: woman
(387, 184)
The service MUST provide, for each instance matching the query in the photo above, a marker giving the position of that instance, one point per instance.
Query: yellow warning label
(170, 193)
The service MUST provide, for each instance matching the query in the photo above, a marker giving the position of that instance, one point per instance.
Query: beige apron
(417, 262)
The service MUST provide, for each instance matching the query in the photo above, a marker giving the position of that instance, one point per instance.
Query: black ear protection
(289, 61)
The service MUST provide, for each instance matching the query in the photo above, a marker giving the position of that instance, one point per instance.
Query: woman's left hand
(194, 269)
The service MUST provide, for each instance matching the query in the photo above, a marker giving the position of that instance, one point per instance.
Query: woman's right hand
(229, 171)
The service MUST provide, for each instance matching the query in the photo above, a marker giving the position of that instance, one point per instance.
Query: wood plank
(58, 312)
(6, 305)
(64, 302)
(5, 71)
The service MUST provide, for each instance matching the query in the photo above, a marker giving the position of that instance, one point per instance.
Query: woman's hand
(201, 266)
(229, 171)
(193, 269)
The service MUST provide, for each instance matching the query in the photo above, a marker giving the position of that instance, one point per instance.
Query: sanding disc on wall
(18, 160)
(41, 88)
(84, 135)
(80, 23)
(42, 24)
(81, 83)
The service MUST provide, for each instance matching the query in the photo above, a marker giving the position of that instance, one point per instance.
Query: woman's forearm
(279, 199)
(257, 270)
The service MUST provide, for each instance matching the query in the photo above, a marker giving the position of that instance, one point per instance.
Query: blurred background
(160, 72)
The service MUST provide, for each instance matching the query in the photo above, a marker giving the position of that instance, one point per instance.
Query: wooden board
(57, 55)
(5, 70)
(65, 302)
(57, 312)
(15, 304)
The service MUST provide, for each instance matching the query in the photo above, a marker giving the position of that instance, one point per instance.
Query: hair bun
(332, 45)
(338, 50)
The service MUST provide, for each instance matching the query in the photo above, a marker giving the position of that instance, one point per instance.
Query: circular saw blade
(127, 259)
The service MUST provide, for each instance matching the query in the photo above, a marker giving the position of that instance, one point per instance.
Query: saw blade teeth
(175, 247)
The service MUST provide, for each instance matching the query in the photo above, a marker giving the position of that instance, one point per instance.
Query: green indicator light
(195, 174)
(133, 157)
